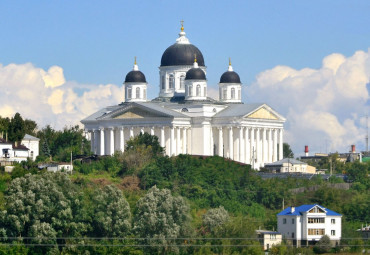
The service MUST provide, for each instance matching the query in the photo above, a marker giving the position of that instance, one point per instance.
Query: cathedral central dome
(181, 54)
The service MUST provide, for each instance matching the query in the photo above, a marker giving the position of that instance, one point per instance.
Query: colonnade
(105, 141)
(250, 145)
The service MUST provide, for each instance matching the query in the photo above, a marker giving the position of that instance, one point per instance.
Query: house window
(316, 220)
(333, 232)
(137, 92)
(31, 154)
(163, 82)
(332, 221)
(232, 93)
(190, 90)
(272, 237)
(316, 231)
(171, 82)
(198, 90)
(316, 210)
(292, 234)
(129, 93)
(182, 82)
(292, 221)
(284, 221)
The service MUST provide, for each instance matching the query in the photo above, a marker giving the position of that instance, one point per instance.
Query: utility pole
(367, 134)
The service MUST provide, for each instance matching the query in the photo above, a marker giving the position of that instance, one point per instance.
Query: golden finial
(182, 25)
(229, 61)
(135, 61)
(195, 58)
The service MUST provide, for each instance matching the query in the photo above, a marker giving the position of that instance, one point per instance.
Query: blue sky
(94, 42)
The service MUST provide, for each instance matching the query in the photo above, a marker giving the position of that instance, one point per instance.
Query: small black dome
(181, 54)
(230, 77)
(135, 76)
(195, 74)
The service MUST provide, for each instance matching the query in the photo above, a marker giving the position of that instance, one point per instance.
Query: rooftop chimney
(292, 209)
(353, 148)
(306, 150)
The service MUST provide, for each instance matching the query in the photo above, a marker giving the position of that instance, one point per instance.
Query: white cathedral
(184, 119)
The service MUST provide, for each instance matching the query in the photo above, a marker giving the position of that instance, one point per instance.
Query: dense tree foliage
(287, 151)
(215, 218)
(160, 219)
(16, 127)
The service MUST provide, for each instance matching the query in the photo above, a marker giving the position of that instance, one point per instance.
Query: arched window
(198, 90)
(171, 82)
(239, 94)
(163, 82)
(182, 81)
(190, 90)
(129, 93)
(232, 93)
(138, 92)
(224, 94)
(205, 91)
(144, 92)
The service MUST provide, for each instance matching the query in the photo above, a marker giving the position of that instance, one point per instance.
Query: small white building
(290, 165)
(269, 238)
(306, 224)
(57, 167)
(32, 143)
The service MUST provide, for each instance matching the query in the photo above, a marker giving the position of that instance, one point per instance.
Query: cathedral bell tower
(135, 85)
(230, 86)
(195, 83)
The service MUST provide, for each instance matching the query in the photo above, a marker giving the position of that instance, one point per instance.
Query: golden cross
(135, 61)
(182, 25)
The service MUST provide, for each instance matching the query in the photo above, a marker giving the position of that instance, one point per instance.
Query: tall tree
(30, 127)
(287, 151)
(16, 128)
(160, 219)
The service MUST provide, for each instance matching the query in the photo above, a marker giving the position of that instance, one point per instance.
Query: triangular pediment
(317, 209)
(262, 113)
(136, 113)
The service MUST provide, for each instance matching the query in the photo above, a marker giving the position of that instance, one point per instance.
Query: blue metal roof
(304, 208)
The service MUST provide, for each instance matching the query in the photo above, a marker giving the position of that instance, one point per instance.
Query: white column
(172, 142)
(281, 144)
(258, 145)
(178, 140)
(121, 139)
(231, 143)
(92, 142)
(212, 151)
(264, 146)
(269, 157)
(96, 141)
(274, 149)
(111, 141)
(184, 141)
(102, 143)
(241, 144)
(131, 132)
(162, 137)
(252, 151)
(247, 146)
(220, 142)
(152, 131)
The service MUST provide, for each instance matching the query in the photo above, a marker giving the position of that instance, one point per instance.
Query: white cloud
(325, 108)
(47, 98)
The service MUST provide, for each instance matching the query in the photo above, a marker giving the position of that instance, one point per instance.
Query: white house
(184, 118)
(32, 143)
(269, 238)
(306, 224)
(57, 166)
(290, 165)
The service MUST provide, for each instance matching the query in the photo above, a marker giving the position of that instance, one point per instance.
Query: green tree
(160, 219)
(40, 206)
(16, 128)
(215, 218)
(30, 127)
(148, 141)
(287, 151)
(323, 245)
(112, 216)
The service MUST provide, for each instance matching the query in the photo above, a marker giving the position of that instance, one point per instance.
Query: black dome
(195, 74)
(135, 76)
(230, 77)
(181, 54)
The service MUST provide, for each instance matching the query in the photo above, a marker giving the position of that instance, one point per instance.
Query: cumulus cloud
(46, 97)
(325, 108)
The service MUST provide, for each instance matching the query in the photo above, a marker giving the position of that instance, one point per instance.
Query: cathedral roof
(135, 76)
(195, 74)
(230, 77)
(181, 54)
